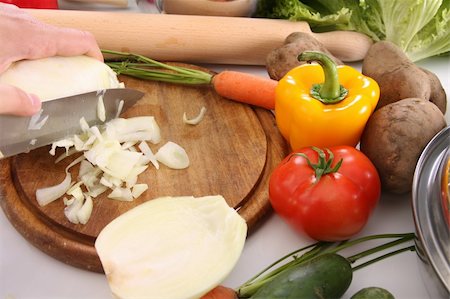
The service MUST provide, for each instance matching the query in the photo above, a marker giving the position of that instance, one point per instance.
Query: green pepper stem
(330, 91)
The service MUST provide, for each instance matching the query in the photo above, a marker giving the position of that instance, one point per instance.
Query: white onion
(57, 77)
(36, 122)
(119, 108)
(85, 167)
(148, 154)
(85, 211)
(171, 247)
(123, 194)
(46, 195)
(96, 190)
(67, 143)
(197, 119)
(83, 124)
(110, 160)
(76, 191)
(138, 189)
(101, 113)
(71, 210)
(173, 156)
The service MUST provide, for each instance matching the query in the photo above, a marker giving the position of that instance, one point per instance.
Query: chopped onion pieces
(110, 160)
(123, 194)
(148, 154)
(85, 211)
(101, 113)
(45, 196)
(36, 122)
(71, 210)
(138, 189)
(83, 124)
(173, 156)
(197, 119)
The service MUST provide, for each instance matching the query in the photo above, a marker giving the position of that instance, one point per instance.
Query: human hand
(24, 37)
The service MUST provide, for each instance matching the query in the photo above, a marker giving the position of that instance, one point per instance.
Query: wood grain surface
(232, 152)
(199, 39)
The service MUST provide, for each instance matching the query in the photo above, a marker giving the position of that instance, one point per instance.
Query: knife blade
(60, 118)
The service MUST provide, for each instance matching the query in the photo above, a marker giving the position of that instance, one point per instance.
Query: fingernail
(34, 99)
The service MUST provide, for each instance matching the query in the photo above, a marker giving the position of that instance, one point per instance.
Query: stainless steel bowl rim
(426, 186)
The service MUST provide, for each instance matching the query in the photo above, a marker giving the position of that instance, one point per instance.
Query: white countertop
(27, 273)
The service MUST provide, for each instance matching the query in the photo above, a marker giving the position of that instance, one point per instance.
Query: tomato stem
(323, 166)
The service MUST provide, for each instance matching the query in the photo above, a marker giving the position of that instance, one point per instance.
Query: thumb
(15, 101)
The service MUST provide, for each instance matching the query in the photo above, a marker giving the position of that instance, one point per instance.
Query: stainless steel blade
(60, 118)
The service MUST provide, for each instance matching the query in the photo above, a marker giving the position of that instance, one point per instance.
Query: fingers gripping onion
(171, 247)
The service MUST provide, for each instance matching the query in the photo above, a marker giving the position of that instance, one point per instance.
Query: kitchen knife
(60, 118)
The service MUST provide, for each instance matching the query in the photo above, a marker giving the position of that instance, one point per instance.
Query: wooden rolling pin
(199, 39)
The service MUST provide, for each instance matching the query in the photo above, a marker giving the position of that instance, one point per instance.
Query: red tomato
(333, 207)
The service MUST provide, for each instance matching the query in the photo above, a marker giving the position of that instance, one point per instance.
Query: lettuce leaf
(297, 11)
(434, 38)
(419, 27)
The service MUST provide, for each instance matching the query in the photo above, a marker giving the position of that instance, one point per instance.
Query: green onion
(141, 67)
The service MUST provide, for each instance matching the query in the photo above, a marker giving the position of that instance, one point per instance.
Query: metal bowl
(430, 202)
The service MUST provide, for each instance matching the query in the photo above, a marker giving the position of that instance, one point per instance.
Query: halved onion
(64, 76)
(171, 247)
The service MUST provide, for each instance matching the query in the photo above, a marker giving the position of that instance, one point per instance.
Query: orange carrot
(246, 88)
(242, 87)
(220, 292)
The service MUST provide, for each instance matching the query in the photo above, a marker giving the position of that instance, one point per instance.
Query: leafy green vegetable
(421, 28)
(298, 11)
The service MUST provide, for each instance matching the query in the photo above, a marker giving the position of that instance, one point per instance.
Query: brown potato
(398, 77)
(396, 135)
(283, 59)
(437, 95)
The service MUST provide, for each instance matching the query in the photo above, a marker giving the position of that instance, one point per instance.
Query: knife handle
(199, 39)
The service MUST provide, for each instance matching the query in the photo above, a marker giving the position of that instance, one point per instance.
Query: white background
(26, 272)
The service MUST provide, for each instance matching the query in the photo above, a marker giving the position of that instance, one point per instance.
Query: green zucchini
(373, 293)
(325, 276)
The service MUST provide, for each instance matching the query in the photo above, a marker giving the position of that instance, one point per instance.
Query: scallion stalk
(141, 67)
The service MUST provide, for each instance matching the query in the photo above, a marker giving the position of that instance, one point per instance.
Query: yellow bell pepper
(322, 104)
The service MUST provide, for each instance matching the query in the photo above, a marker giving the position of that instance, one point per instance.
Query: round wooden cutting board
(232, 152)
